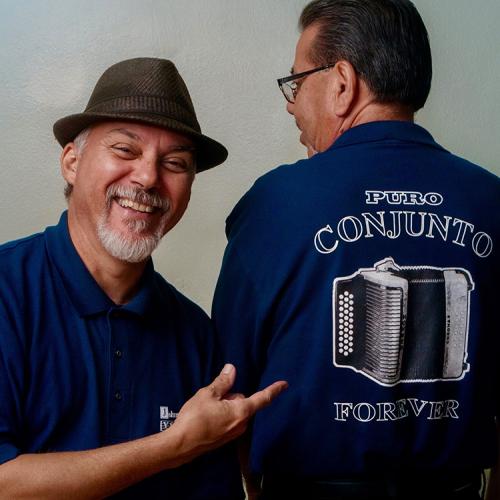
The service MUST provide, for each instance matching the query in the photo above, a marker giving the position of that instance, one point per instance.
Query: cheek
(179, 192)
(178, 197)
(96, 174)
(304, 112)
(306, 123)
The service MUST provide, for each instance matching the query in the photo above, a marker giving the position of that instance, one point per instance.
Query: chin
(133, 244)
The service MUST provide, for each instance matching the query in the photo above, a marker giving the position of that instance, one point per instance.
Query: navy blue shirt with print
(367, 277)
(78, 372)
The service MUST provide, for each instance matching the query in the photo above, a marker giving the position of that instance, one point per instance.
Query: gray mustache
(138, 195)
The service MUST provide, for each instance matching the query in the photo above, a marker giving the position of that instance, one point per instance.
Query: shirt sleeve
(242, 306)
(11, 388)
(239, 322)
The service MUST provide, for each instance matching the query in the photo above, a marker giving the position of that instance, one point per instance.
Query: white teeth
(123, 202)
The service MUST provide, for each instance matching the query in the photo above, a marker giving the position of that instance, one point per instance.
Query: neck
(118, 279)
(373, 112)
(365, 109)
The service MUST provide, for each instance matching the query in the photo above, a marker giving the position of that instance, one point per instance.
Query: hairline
(412, 98)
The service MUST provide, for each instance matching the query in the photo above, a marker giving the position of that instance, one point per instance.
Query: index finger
(263, 398)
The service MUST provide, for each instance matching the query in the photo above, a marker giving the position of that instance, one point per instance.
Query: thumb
(224, 381)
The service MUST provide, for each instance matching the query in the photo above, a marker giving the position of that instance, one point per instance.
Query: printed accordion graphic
(402, 324)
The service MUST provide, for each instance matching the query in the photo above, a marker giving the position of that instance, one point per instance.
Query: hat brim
(209, 153)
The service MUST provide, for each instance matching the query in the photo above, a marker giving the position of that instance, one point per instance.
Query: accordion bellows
(402, 324)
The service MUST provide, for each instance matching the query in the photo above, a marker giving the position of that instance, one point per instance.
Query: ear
(346, 87)
(69, 162)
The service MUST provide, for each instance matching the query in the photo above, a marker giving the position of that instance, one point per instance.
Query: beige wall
(229, 52)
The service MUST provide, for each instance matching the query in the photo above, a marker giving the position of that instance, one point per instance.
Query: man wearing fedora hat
(98, 353)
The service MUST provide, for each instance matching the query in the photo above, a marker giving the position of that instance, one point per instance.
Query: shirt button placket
(118, 409)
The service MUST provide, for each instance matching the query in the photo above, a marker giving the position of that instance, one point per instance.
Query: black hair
(385, 41)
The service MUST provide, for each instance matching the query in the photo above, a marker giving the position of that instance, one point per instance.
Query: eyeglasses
(289, 85)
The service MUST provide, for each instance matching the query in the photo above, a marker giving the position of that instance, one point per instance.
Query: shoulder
(20, 265)
(21, 256)
(268, 195)
(470, 187)
(23, 246)
(284, 175)
(477, 173)
(468, 167)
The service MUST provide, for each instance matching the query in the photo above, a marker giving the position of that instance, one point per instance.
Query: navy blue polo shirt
(367, 277)
(78, 372)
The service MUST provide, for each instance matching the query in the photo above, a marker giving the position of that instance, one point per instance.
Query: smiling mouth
(138, 207)
(139, 202)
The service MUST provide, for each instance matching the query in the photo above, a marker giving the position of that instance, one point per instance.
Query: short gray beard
(124, 246)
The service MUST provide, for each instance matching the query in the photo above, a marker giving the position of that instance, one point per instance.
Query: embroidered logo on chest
(167, 417)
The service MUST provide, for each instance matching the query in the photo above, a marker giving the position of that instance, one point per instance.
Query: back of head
(385, 40)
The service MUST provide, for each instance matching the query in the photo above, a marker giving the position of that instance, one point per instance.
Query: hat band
(146, 104)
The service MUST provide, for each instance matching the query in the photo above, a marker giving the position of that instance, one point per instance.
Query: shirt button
(118, 396)
(118, 353)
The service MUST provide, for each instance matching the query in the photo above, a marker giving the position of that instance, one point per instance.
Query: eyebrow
(181, 147)
(291, 70)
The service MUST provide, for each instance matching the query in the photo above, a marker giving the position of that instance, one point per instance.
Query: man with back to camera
(98, 353)
(366, 276)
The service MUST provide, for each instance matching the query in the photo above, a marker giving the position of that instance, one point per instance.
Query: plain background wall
(229, 52)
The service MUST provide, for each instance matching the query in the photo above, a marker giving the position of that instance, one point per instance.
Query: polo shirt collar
(385, 130)
(86, 295)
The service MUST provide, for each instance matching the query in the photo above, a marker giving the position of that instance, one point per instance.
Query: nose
(145, 173)
(289, 107)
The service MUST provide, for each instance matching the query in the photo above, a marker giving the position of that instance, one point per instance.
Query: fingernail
(228, 368)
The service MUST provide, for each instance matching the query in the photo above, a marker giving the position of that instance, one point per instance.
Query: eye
(124, 151)
(298, 84)
(178, 164)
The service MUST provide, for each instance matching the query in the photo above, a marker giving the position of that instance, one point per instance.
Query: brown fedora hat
(145, 90)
